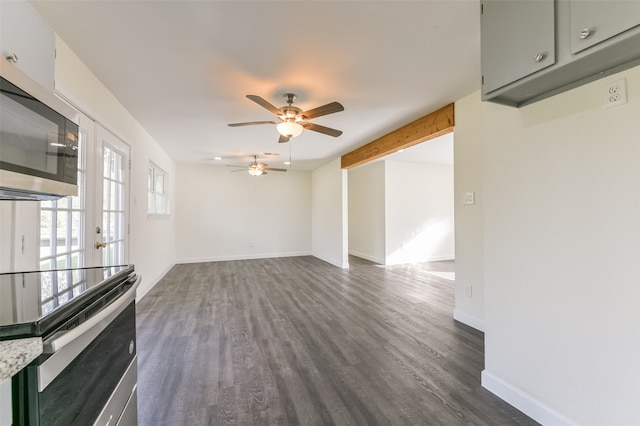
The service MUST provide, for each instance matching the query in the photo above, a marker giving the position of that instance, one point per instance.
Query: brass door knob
(100, 245)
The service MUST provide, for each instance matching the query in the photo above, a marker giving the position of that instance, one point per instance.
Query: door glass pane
(46, 230)
(113, 207)
(62, 223)
(76, 221)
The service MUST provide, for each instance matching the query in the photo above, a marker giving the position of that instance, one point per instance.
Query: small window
(158, 185)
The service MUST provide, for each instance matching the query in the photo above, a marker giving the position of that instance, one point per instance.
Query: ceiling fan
(292, 119)
(257, 169)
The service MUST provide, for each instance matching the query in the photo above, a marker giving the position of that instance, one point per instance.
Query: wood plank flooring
(300, 342)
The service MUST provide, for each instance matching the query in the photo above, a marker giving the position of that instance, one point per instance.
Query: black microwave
(38, 140)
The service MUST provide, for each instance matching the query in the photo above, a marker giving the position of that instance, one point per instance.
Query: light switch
(469, 197)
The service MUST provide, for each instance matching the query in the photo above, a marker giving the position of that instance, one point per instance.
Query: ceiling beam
(430, 126)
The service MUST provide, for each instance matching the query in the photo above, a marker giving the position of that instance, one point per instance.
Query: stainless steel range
(87, 373)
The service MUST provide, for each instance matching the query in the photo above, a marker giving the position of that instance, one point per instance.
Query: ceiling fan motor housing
(293, 120)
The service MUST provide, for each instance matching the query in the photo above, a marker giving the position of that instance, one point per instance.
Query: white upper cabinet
(529, 46)
(26, 35)
(533, 49)
(595, 21)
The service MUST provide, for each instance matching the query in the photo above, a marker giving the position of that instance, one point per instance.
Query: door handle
(100, 245)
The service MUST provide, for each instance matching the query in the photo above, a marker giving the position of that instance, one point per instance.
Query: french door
(112, 196)
(90, 229)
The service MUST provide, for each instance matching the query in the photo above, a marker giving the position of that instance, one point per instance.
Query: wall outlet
(468, 291)
(615, 93)
(469, 197)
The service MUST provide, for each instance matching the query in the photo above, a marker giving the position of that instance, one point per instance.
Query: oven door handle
(57, 342)
(66, 347)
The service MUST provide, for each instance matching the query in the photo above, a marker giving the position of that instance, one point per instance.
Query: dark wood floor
(298, 341)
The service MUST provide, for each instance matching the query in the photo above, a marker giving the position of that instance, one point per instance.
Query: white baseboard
(366, 257)
(469, 320)
(334, 262)
(523, 401)
(241, 257)
(442, 257)
(401, 261)
(146, 286)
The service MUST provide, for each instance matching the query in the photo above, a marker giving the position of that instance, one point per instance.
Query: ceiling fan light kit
(289, 128)
(254, 171)
(292, 119)
(257, 169)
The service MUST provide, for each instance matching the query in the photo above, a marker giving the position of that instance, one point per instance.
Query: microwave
(38, 140)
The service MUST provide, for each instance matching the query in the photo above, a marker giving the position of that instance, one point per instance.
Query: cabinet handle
(585, 33)
(539, 57)
(13, 58)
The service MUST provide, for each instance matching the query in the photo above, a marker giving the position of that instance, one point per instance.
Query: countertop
(16, 354)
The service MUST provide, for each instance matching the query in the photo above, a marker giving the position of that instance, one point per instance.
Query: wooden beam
(430, 126)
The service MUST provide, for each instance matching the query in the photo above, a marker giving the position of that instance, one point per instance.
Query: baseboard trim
(366, 257)
(426, 259)
(241, 257)
(144, 288)
(334, 262)
(469, 320)
(523, 401)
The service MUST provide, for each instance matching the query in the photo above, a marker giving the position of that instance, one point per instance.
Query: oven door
(88, 375)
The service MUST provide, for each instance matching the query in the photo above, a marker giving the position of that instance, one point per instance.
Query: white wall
(223, 215)
(152, 241)
(329, 208)
(367, 211)
(561, 246)
(419, 212)
(468, 150)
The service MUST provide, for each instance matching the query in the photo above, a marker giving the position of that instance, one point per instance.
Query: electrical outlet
(469, 198)
(615, 93)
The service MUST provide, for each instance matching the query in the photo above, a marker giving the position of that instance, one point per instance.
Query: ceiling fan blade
(252, 123)
(265, 104)
(322, 129)
(323, 110)
(239, 170)
(274, 169)
(232, 165)
(283, 139)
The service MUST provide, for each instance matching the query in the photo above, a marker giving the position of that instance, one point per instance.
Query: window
(157, 184)
(62, 225)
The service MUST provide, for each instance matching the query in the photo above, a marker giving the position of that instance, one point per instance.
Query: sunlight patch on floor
(446, 275)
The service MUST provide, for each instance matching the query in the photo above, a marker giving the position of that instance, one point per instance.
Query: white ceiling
(183, 68)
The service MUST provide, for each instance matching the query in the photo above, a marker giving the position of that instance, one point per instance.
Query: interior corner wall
(230, 216)
(419, 212)
(468, 148)
(152, 241)
(367, 212)
(561, 249)
(329, 214)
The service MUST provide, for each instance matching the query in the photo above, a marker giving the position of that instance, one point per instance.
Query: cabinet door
(518, 39)
(596, 21)
(24, 33)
